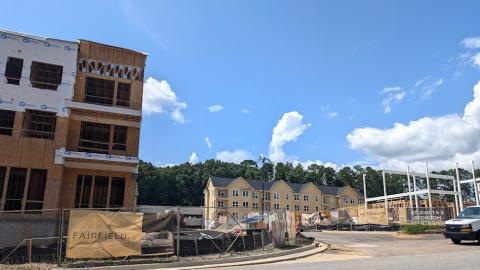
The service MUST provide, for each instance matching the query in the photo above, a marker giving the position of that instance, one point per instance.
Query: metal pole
(365, 190)
(263, 198)
(415, 190)
(456, 198)
(409, 187)
(385, 194)
(62, 219)
(428, 186)
(178, 232)
(475, 182)
(459, 187)
(29, 250)
(409, 190)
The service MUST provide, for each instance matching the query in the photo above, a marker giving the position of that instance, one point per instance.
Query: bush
(421, 228)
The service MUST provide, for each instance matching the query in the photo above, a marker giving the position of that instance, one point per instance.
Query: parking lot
(382, 250)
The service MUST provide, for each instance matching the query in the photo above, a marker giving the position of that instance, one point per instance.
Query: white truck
(465, 227)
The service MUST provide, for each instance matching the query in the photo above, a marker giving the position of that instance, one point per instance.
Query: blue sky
(318, 71)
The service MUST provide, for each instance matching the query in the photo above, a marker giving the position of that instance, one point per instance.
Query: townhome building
(238, 197)
(70, 115)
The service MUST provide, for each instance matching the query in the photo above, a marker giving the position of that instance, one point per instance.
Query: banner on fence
(375, 216)
(102, 234)
(425, 215)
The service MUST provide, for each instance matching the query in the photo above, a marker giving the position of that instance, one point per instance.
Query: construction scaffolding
(414, 192)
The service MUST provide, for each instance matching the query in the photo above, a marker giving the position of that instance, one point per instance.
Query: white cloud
(476, 60)
(421, 81)
(245, 111)
(288, 129)
(208, 142)
(158, 97)
(392, 96)
(193, 158)
(332, 115)
(432, 87)
(307, 163)
(216, 108)
(442, 140)
(471, 43)
(236, 156)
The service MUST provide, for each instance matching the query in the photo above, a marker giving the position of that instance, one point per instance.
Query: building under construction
(70, 114)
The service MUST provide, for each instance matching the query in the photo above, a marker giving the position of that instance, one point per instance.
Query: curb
(316, 247)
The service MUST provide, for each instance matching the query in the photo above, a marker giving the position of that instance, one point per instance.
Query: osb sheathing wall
(70, 182)
(34, 153)
(110, 54)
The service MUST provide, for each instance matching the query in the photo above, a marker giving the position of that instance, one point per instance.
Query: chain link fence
(40, 236)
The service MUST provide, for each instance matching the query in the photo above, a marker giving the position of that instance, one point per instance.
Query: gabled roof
(224, 182)
(336, 191)
(257, 184)
(221, 181)
(297, 187)
(330, 190)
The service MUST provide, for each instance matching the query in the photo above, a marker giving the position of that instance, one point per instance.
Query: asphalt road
(372, 251)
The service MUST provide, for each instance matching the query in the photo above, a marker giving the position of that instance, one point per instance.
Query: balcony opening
(82, 193)
(94, 138)
(120, 138)
(46, 76)
(13, 70)
(100, 192)
(93, 191)
(123, 94)
(117, 190)
(36, 189)
(39, 124)
(99, 91)
(7, 118)
(15, 189)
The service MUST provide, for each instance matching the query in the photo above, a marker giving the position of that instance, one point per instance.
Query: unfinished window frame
(97, 91)
(15, 189)
(85, 182)
(39, 124)
(13, 70)
(7, 120)
(102, 138)
(119, 138)
(45, 75)
(35, 195)
(107, 92)
(95, 200)
(94, 137)
(123, 91)
(120, 183)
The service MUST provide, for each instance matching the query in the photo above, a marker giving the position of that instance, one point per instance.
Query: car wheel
(456, 241)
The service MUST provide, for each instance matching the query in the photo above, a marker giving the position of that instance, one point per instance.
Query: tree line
(183, 184)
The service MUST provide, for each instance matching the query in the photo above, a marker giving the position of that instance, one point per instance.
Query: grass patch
(421, 228)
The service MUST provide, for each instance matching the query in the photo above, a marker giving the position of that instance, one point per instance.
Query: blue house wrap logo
(21, 104)
(44, 107)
